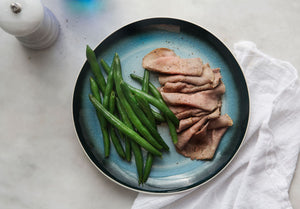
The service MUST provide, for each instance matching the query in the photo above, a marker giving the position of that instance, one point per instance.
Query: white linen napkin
(259, 177)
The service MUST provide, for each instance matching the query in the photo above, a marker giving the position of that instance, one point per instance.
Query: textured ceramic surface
(172, 173)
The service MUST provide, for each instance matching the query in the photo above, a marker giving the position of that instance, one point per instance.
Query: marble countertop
(42, 164)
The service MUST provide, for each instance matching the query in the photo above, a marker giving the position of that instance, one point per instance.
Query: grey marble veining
(41, 162)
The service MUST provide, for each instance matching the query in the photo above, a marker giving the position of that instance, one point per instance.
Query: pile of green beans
(124, 112)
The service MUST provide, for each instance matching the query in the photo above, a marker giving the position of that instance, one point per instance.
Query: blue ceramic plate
(172, 173)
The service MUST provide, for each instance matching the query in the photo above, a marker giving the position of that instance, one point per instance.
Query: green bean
(116, 142)
(157, 95)
(114, 64)
(107, 69)
(95, 89)
(158, 117)
(172, 130)
(153, 90)
(157, 103)
(145, 84)
(92, 60)
(135, 147)
(102, 121)
(144, 105)
(123, 128)
(147, 109)
(156, 140)
(130, 112)
(123, 114)
(145, 88)
(113, 136)
(138, 156)
(117, 63)
(105, 66)
(128, 123)
(135, 120)
(148, 166)
(108, 89)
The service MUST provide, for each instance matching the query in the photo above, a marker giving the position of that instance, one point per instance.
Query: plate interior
(173, 172)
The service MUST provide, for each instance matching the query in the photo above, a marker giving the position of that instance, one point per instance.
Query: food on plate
(112, 119)
(203, 144)
(190, 84)
(193, 91)
(164, 60)
(103, 124)
(172, 124)
(133, 120)
(204, 100)
(189, 101)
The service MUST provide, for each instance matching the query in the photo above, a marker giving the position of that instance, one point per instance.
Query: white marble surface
(41, 162)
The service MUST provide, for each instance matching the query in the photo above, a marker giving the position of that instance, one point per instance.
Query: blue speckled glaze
(172, 173)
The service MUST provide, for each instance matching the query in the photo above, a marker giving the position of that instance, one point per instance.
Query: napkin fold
(260, 174)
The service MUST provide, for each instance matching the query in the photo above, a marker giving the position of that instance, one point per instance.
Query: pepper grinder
(34, 25)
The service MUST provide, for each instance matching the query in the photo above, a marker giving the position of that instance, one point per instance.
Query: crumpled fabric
(260, 175)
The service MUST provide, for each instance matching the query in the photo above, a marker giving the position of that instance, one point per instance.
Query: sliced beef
(193, 91)
(207, 76)
(187, 122)
(220, 122)
(203, 143)
(217, 78)
(194, 112)
(207, 100)
(159, 52)
(188, 132)
(198, 100)
(215, 114)
(185, 136)
(169, 63)
(179, 109)
(205, 147)
(182, 112)
(185, 87)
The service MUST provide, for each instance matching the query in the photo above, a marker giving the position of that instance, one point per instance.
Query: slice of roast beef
(191, 112)
(207, 76)
(188, 122)
(182, 112)
(203, 143)
(185, 136)
(170, 64)
(220, 122)
(159, 52)
(215, 114)
(178, 109)
(205, 147)
(185, 87)
(217, 78)
(207, 100)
